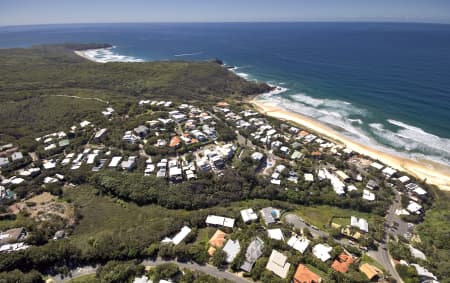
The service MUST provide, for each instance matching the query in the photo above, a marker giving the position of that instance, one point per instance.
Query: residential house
(278, 264)
(360, 223)
(299, 243)
(232, 249)
(322, 252)
(342, 263)
(248, 215)
(304, 275)
(270, 215)
(275, 234)
(216, 241)
(220, 221)
(179, 237)
(254, 251)
(373, 273)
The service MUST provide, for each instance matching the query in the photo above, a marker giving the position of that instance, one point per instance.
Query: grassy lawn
(82, 279)
(320, 216)
(106, 215)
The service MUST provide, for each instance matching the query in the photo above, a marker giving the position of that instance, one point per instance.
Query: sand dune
(431, 172)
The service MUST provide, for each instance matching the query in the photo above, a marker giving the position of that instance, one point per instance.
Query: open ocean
(385, 85)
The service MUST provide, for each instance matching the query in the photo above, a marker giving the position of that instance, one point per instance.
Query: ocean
(386, 85)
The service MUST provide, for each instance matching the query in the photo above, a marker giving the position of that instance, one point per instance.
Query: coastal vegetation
(119, 217)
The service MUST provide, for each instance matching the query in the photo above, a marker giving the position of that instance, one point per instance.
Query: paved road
(207, 269)
(300, 224)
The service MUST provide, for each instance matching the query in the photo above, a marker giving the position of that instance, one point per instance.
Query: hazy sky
(23, 12)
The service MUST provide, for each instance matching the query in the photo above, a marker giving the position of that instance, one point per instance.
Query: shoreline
(82, 53)
(433, 173)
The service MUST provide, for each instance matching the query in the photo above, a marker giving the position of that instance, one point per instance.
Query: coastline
(82, 53)
(433, 173)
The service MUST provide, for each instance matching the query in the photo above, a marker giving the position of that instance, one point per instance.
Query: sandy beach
(433, 173)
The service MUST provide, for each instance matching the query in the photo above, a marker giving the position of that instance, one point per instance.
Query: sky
(29, 12)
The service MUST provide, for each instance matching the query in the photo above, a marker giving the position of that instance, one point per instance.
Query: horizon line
(234, 22)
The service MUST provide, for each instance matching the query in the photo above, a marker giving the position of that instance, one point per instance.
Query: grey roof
(65, 142)
(254, 251)
(4, 161)
(16, 156)
(231, 248)
(141, 130)
(267, 215)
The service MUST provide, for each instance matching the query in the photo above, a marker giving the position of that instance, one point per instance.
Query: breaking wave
(105, 55)
(352, 121)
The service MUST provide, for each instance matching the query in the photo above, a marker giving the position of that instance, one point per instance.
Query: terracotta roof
(211, 251)
(369, 270)
(222, 104)
(316, 153)
(304, 275)
(175, 141)
(303, 133)
(218, 239)
(342, 263)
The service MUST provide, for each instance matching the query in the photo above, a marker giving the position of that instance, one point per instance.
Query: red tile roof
(304, 275)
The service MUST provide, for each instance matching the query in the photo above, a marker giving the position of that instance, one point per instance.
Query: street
(207, 269)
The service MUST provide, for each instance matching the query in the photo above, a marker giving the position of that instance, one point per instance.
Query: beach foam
(408, 141)
(105, 55)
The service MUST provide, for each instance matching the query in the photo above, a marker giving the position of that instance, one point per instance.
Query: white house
(322, 252)
(278, 264)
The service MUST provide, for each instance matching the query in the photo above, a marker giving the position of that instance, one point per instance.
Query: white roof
(299, 243)
(421, 271)
(277, 264)
(420, 191)
(417, 253)
(361, 223)
(231, 248)
(248, 215)
(367, 195)
(16, 181)
(388, 171)
(115, 161)
(85, 123)
(91, 158)
(174, 171)
(143, 279)
(276, 234)
(377, 165)
(181, 235)
(309, 177)
(275, 181)
(414, 207)
(351, 188)
(322, 252)
(404, 179)
(219, 220)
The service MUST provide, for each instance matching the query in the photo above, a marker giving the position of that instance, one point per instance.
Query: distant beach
(105, 55)
(433, 173)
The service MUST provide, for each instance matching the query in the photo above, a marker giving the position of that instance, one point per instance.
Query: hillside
(34, 81)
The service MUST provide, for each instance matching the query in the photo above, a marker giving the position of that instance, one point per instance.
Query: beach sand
(431, 172)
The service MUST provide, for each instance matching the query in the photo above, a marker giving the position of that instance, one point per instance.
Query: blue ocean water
(386, 85)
